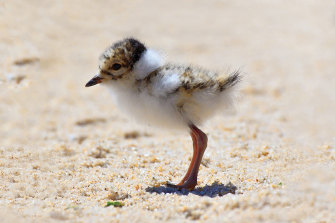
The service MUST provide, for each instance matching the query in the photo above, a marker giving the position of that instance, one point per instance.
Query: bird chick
(165, 95)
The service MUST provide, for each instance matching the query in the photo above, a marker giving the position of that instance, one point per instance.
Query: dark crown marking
(134, 48)
(138, 47)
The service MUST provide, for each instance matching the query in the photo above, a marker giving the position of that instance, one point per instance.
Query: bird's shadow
(216, 189)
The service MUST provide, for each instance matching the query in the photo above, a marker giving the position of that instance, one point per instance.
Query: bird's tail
(230, 81)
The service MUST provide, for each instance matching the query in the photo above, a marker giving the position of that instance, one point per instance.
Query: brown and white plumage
(165, 95)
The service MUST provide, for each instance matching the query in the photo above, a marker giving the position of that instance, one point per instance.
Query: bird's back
(171, 79)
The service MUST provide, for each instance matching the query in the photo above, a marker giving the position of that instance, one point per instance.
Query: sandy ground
(66, 150)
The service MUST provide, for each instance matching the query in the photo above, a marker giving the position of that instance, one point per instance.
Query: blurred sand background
(65, 150)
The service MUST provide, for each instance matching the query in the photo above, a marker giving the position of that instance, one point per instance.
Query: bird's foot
(189, 185)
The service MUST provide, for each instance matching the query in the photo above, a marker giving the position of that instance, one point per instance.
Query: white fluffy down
(149, 61)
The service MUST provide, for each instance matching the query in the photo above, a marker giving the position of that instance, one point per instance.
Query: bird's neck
(149, 61)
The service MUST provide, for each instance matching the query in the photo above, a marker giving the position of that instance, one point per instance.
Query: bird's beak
(95, 80)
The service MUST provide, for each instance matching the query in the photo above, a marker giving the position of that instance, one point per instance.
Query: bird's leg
(199, 146)
(195, 152)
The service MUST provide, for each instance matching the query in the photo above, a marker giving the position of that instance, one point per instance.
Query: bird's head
(117, 61)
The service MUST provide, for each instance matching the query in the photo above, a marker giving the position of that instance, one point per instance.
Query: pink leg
(199, 146)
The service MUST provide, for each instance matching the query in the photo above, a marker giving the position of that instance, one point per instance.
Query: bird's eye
(116, 66)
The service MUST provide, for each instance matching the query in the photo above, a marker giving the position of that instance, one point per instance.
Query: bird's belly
(150, 110)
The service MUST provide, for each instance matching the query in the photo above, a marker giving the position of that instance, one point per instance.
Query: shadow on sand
(216, 189)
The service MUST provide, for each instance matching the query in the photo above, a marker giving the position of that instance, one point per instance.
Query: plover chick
(165, 95)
